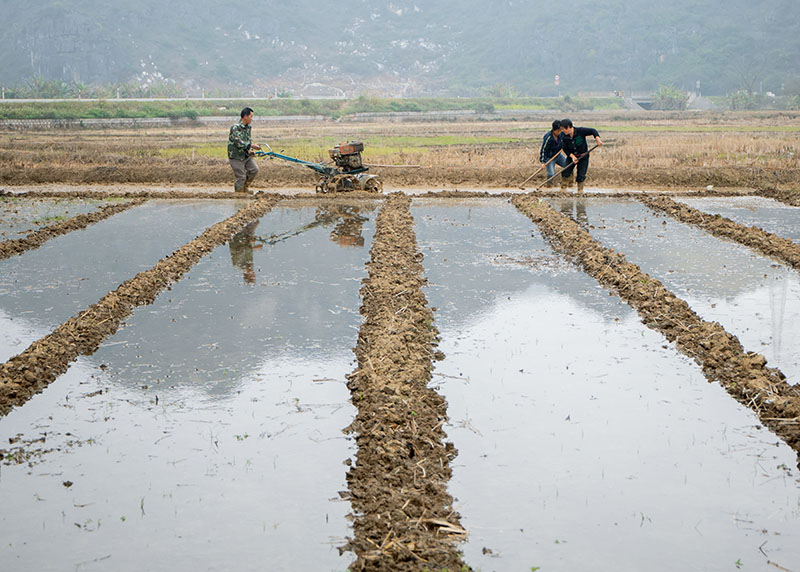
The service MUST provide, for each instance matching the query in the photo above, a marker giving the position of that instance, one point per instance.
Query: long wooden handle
(521, 185)
(581, 156)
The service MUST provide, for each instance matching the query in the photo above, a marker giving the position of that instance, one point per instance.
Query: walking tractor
(347, 173)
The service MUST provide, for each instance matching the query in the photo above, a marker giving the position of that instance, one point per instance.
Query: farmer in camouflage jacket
(240, 152)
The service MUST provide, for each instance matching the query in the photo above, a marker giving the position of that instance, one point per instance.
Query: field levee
(403, 514)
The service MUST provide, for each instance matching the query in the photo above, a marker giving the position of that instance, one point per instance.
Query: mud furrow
(791, 198)
(751, 236)
(743, 374)
(37, 238)
(404, 518)
(34, 369)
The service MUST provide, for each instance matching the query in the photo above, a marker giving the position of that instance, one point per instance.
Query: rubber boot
(247, 182)
(580, 188)
(564, 184)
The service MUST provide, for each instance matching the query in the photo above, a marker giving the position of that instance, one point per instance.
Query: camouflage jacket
(239, 141)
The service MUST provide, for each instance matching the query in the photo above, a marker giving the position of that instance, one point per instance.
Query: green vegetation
(313, 149)
(668, 97)
(51, 219)
(332, 108)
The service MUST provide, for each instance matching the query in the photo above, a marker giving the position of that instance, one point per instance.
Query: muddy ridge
(791, 198)
(751, 236)
(404, 518)
(153, 171)
(34, 369)
(144, 193)
(743, 374)
(37, 238)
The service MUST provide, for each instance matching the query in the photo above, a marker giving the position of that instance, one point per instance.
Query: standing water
(207, 433)
(586, 441)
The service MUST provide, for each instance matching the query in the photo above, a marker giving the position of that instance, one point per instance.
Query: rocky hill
(404, 47)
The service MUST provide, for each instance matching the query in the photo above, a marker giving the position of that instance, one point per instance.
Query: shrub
(668, 97)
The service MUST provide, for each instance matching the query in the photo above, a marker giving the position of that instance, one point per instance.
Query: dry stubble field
(650, 151)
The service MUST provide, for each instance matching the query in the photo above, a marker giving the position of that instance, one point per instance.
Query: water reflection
(241, 247)
(574, 209)
(73, 271)
(751, 295)
(19, 216)
(576, 413)
(767, 214)
(213, 327)
(491, 251)
(347, 222)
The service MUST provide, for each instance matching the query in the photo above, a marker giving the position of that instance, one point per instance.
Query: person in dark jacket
(551, 146)
(576, 149)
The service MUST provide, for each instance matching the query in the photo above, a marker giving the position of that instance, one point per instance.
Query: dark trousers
(583, 166)
(245, 171)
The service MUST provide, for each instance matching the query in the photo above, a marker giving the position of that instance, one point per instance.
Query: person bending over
(576, 149)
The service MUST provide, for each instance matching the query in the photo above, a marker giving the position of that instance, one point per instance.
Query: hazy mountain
(405, 46)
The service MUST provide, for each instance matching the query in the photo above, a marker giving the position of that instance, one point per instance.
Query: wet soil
(38, 237)
(144, 192)
(722, 358)
(31, 371)
(511, 176)
(575, 412)
(791, 198)
(20, 216)
(751, 210)
(492, 176)
(404, 516)
(751, 236)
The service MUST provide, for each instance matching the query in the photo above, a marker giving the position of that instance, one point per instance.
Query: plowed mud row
(186, 193)
(34, 369)
(750, 236)
(404, 518)
(720, 355)
(16, 171)
(791, 198)
(37, 238)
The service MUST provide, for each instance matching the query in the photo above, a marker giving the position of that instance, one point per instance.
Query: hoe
(347, 173)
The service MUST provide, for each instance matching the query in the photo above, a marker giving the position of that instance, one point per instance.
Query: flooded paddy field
(44, 287)
(227, 423)
(19, 216)
(752, 296)
(209, 428)
(583, 436)
(772, 216)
